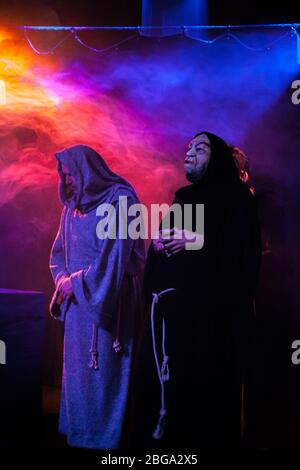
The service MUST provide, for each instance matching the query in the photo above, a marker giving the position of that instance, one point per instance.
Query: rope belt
(163, 370)
(93, 364)
(117, 344)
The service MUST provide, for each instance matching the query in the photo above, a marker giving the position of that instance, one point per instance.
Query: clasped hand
(65, 289)
(174, 240)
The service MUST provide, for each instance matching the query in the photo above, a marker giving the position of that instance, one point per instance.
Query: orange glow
(2, 92)
(17, 65)
(64, 109)
(4, 35)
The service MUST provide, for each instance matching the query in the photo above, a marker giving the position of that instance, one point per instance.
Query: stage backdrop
(138, 104)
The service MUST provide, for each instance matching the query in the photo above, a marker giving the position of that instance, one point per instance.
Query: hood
(96, 183)
(221, 166)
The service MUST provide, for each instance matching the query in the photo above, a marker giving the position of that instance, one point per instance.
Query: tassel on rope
(94, 364)
(160, 427)
(117, 346)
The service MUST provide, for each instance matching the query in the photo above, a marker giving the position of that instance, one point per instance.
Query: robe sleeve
(57, 257)
(97, 287)
(59, 271)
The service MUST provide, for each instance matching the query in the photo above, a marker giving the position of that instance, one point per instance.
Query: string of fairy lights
(227, 32)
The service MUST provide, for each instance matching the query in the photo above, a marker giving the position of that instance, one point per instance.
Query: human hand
(65, 288)
(157, 243)
(176, 240)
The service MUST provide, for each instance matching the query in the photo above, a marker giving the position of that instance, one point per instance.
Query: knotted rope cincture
(163, 370)
(117, 346)
(93, 364)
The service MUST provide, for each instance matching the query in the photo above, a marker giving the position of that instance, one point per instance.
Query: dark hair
(240, 158)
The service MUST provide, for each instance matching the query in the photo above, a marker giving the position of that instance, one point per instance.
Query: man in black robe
(189, 393)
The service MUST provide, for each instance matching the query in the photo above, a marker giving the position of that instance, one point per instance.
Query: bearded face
(69, 182)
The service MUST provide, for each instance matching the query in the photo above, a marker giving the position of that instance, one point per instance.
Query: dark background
(116, 12)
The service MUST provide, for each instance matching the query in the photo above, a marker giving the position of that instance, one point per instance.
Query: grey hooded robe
(101, 318)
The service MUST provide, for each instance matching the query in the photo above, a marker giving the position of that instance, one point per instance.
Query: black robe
(209, 323)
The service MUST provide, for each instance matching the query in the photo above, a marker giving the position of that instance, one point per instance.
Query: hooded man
(201, 315)
(97, 297)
